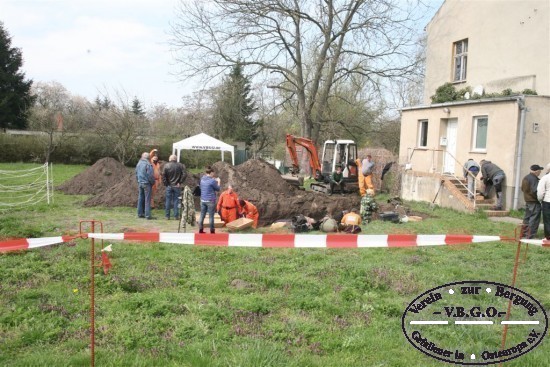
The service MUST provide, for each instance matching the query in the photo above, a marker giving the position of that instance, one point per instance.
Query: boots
(499, 201)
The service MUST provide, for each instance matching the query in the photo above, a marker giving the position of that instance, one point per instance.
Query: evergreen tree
(234, 108)
(137, 107)
(15, 91)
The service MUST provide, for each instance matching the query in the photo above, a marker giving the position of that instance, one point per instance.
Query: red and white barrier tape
(28, 243)
(272, 240)
(298, 240)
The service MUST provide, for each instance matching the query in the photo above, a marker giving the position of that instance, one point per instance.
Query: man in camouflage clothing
(187, 209)
(368, 206)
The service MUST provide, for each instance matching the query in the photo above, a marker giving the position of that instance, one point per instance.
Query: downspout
(523, 109)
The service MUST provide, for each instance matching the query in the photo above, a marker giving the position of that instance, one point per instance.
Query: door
(450, 151)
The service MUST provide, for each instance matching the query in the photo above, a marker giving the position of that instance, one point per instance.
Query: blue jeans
(144, 200)
(172, 201)
(210, 207)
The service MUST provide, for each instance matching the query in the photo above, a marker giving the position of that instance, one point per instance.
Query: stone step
(483, 201)
(497, 213)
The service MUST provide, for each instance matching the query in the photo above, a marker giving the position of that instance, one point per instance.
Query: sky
(101, 47)
(98, 47)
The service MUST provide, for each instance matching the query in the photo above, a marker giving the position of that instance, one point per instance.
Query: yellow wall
(508, 45)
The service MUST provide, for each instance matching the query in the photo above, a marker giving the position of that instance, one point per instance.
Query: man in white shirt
(543, 195)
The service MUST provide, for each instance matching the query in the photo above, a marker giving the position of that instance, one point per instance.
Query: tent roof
(202, 141)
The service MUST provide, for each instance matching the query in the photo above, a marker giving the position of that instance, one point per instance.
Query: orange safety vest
(352, 219)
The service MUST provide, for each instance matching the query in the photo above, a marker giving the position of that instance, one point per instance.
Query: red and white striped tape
(298, 240)
(28, 243)
(272, 240)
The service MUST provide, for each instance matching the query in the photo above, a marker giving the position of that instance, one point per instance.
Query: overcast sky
(101, 46)
(97, 47)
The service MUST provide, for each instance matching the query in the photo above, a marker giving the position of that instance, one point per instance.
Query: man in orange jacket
(228, 205)
(250, 211)
(351, 222)
(156, 173)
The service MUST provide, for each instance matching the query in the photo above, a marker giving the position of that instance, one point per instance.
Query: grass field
(170, 305)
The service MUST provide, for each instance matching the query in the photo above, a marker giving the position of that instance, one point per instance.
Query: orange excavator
(341, 153)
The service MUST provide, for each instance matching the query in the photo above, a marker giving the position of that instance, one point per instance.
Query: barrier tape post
(92, 285)
(514, 277)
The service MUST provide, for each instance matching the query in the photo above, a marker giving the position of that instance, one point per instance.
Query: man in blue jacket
(209, 185)
(145, 179)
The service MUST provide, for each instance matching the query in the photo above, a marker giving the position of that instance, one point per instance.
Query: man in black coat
(173, 176)
(531, 220)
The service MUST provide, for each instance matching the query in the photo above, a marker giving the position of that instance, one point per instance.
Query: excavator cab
(341, 153)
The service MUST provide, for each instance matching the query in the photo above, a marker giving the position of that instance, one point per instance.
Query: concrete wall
(417, 186)
(508, 45)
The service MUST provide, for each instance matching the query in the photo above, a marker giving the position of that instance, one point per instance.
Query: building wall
(536, 145)
(503, 117)
(508, 45)
(502, 138)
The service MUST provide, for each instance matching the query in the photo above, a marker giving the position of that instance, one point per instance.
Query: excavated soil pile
(255, 180)
(260, 183)
(125, 192)
(104, 174)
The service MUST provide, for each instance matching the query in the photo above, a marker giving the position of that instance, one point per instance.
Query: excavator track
(319, 187)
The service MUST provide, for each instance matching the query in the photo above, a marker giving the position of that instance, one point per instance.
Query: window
(480, 133)
(460, 51)
(423, 133)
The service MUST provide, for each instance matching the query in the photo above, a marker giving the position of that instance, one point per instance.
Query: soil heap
(261, 183)
(125, 192)
(255, 180)
(104, 174)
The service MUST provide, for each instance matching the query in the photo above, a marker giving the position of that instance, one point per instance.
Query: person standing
(250, 211)
(209, 185)
(492, 175)
(367, 169)
(228, 205)
(543, 195)
(173, 176)
(368, 206)
(337, 179)
(531, 219)
(145, 180)
(471, 170)
(156, 173)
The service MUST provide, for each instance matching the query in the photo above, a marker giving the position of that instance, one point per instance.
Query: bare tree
(121, 128)
(56, 114)
(304, 46)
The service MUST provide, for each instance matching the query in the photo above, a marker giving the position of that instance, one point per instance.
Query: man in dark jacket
(531, 220)
(337, 179)
(209, 186)
(492, 175)
(145, 179)
(173, 176)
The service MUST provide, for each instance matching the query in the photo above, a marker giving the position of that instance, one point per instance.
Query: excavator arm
(291, 142)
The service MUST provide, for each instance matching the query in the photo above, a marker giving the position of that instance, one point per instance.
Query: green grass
(173, 305)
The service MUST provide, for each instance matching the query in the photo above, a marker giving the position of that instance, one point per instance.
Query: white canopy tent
(203, 142)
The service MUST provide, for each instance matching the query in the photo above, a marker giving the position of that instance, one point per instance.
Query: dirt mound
(261, 183)
(104, 174)
(255, 180)
(125, 192)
